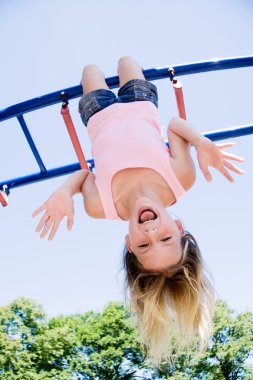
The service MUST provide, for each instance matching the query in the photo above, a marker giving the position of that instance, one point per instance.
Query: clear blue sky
(44, 46)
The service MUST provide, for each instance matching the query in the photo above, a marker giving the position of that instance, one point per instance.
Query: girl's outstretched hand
(211, 154)
(58, 205)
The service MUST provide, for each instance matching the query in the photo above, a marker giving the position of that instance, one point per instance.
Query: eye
(167, 238)
(144, 245)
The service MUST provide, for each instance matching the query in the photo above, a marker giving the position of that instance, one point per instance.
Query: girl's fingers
(54, 230)
(225, 145)
(70, 222)
(207, 176)
(43, 220)
(47, 227)
(232, 167)
(226, 174)
(36, 212)
(206, 173)
(233, 157)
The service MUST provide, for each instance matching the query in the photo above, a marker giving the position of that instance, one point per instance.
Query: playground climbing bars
(18, 111)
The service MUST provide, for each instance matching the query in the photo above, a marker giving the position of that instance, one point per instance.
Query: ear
(180, 227)
(128, 244)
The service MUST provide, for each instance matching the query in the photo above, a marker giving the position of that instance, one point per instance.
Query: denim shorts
(133, 91)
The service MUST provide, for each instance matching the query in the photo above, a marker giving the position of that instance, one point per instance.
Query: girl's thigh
(129, 69)
(93, 79)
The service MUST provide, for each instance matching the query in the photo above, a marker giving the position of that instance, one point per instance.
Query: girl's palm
(58, 205)
(210, 154)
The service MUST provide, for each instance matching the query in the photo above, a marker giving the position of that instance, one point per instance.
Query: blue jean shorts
(133, 91)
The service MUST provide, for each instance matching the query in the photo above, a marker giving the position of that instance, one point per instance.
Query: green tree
(227, 354)
(82, 346)
(231, 346)
(109, 346)
(29, 348)
(105, 346)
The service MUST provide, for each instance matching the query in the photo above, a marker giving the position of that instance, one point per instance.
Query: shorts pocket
(141, 95)
(88, 106)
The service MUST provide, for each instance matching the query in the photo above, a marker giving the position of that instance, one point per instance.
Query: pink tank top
(128, 135)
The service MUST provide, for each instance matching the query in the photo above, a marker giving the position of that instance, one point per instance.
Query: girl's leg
(96, 93)
(129, 69)
(93, 79)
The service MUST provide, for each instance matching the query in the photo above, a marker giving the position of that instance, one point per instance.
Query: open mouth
(146, 215)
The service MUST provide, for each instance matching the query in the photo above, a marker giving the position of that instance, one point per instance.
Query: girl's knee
(126, 59)
(93, 79)
(129, 69)
(90, 68)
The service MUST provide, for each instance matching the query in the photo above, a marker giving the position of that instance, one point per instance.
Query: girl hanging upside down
(136, 179)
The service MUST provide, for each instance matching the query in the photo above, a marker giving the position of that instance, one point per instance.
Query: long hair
(174, 308)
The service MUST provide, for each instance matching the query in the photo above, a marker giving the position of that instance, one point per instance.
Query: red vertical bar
(179, 97)
(4, 196)
(73, 136)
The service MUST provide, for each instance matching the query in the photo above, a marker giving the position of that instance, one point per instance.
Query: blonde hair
(174, 308)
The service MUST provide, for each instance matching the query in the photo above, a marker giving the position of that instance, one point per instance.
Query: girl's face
(154, 236)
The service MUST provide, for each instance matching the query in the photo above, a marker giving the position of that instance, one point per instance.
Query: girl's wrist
(67, 189)
(196, 143)
(185, 130)
(74, 183)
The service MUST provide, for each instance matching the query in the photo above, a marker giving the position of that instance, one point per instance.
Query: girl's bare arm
(185, 130)
(208, 153)
(75, 181)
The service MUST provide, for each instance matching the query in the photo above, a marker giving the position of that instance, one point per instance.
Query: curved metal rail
(18, 110)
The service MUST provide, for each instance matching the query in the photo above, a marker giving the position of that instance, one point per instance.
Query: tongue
(147, 215)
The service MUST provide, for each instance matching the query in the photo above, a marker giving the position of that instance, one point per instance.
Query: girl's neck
(139, 196)
(130, 185)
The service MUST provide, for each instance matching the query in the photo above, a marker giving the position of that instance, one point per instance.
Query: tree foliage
(82, 346)
(226, 357)
(105, 346)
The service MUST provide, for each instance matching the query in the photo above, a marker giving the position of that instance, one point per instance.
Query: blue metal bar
(56, 172)
(37, 177)
(113, 82)
(31, 143)
(229, 133)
